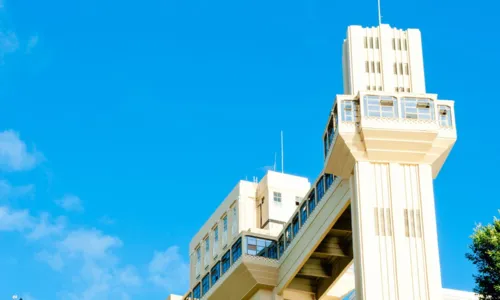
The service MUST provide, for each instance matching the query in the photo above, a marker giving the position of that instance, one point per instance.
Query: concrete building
(367, 223)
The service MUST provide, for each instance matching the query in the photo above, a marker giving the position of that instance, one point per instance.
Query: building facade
(367, 223)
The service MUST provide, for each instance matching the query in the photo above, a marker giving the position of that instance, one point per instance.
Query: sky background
(124, 124)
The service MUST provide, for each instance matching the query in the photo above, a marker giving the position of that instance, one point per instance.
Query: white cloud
(70, 203)
(168, 270)
(89, 243)
(55, 260)
(14, 155)
(14, 220)
(44, 227)
(7, 191)
(128, 276)
(32, 42)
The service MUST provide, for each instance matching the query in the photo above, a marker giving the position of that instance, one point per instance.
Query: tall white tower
(391, 139)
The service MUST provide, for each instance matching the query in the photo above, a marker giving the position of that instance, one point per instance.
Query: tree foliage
(485, 255)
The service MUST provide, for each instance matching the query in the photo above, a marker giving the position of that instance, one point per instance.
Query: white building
(368, 221)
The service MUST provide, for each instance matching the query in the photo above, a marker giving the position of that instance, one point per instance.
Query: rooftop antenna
(282, 155)
(274, 166)
(379, 15)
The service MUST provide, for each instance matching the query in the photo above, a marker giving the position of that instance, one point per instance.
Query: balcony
(375, 126)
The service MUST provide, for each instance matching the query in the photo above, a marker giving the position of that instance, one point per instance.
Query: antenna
(379, 14)
(282, 155)
(274, 166)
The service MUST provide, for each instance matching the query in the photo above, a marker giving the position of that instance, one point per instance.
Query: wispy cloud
(7, 191)
(14, 154)
(32, 43)
(12, 220)
(70, 203)
(168, 270)
(44, 227)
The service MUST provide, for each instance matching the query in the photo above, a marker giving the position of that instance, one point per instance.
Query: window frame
(277, 197)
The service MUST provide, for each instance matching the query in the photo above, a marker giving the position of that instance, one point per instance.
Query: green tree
(485, 254)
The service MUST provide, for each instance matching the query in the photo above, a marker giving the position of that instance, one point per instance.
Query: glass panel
(261, 247)
(381, 106)
(189, 297)
(197, 292)
(417, 108)
(288, 236)
(311, 202)
(281, 245)
(445, 116)
(215, 273)
(349, 110)
(226, 261)
(236, 250)
(320, 188)
(205, 285)
(303, 213)
(329, 180)
(295, 225)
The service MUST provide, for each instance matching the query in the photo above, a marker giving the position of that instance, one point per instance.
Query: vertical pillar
(394, 232)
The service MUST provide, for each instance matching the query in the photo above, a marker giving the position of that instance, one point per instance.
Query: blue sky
(124, 124)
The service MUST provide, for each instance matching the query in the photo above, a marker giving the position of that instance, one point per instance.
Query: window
(368, 87)
(236, 250)
(215, 273)
(367, 66)
(224, 230)
(234, 227)
(405, 44)
(366, 42)
(380, 106)
(320, 189)
(281, 245)
(413, 223)
(445, 116)
(379, 88)
(399, 44)
(205, 285)
(408, 90)
(417, 108)
(377, 46)
(277, 196)
(197, 292)
(311, 202)
(226, 261)
(295, 225)
(378, 67)
(395, 68)
(198, 260)
(373, 67)
(189, 297)
(383, 221)
(407, 70)
(393, 44)
(261, 247)
(215, 248)
(329, 180)
(288, 236)
(349, 111)
(371, 43)
(400, 68)
(303, 213)
(207, 251)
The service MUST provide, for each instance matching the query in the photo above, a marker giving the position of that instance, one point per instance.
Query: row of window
(307, 207)
(383, 222)
(215, 237)
(254, 246)
(374, 43)
(401, 69)
(373, 67)
(387, 107)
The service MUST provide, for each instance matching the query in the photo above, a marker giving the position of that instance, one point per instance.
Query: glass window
(224, 224)
(226, 261)
(281, 245)
(367, 66)
(236, 250)
(198, 260)
(320, 188)
(215, 273)
(189, 297)
(349, 111)
(277, 196)
(205, 285)
(417, 108)
(303, 213)
(207, 250)
(295, 225)
(216, 234)
(288, 236)
(197, 292)
(329, 180)
(376, 43)
(380, 106)
(261, 247)
(312, 202)
(445, 116)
